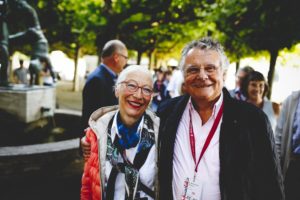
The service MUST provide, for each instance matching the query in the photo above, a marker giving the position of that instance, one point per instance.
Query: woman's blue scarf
(129, 136)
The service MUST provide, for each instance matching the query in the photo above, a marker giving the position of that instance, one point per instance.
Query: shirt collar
(237, 89)
(114, 127)
(111, 72)
(216, 107)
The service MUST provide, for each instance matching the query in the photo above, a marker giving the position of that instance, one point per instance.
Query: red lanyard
(208, 139)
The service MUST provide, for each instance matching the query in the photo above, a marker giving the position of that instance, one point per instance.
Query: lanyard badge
(192, 187)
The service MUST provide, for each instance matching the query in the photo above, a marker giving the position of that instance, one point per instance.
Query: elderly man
(98, 90)
(239, 77)
(287, 137)
(212, 146)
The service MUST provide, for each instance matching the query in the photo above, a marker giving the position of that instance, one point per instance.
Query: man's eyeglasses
(123, 56)
(132, 86)
(208, 70)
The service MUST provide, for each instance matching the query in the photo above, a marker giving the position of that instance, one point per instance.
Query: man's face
(122, 57)
(239, 77)
(203, 74)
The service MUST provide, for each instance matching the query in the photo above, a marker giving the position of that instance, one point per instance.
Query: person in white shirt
(174, 86)
(211, 146)
(254, 88)
(20, 74)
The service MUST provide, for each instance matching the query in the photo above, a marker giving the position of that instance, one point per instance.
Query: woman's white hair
(130, 69)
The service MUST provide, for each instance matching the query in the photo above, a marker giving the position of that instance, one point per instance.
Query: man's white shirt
(175, 83)
(183, 163)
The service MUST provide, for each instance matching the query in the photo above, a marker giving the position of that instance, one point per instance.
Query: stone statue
(33, 35)
(3, 44)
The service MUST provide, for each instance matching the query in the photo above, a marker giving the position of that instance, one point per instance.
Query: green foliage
(258, 24)
(164, 27)
(81, 19)
(67, 22)
(144, 25)
(245, 27)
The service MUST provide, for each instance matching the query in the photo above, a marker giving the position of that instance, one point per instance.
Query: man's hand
(86, 148)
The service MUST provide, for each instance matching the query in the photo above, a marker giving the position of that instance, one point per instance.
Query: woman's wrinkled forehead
(134, 71)
(142, 78)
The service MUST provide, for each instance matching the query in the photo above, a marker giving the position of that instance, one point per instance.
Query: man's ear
(116, 57)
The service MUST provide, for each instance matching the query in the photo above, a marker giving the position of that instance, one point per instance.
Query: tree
(144, 25)
(260, 25)
(166, 30)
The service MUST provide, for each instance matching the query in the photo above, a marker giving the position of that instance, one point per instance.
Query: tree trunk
(155, 60)
(273, 58)
(150, 60)
(150, 56)
(237, 66)
(139, 57)
(75, 79)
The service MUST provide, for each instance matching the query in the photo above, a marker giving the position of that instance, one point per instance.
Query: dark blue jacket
(249, 167)
(97, 92)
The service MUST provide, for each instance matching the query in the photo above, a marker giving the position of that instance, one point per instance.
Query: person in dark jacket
(287, 139)
(211, 146)
(98, 90)
(159, 90)
(239, 77)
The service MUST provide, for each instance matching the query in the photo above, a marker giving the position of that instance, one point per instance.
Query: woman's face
(134, 96)
(256, 90)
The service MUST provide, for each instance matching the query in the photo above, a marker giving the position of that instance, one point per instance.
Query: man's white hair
(112, 47)
(205, 43)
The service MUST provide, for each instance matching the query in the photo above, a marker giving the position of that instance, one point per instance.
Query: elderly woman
(123, 138)
(254, 87)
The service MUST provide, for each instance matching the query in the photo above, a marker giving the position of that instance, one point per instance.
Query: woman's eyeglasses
(132, 86)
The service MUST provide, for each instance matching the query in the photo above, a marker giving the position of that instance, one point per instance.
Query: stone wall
(26, 103)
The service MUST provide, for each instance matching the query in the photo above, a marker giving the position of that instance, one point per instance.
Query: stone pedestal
(28, 103)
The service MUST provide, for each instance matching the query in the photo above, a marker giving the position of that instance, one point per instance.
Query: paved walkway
(66, 98)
